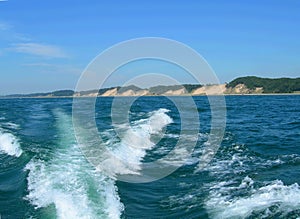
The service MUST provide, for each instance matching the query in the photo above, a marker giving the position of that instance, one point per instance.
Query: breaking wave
(9, 144)
(235, 196)
(272, 200)
(131, 147)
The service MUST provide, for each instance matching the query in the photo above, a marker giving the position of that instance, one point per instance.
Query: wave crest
(274, 199)
(9, 144)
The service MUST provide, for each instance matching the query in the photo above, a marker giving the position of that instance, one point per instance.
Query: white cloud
(37, 49)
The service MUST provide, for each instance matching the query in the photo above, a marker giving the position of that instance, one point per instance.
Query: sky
(45, 45)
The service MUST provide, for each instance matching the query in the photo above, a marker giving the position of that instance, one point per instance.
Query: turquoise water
(255, 173)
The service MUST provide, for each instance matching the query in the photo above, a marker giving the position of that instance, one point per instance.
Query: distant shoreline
(188, 95)
(249, 85)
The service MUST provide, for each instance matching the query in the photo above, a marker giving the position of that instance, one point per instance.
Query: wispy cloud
(39, 64)
(25, 45)
(4, 26)
(37, 49)
(50, 68)
(22, 37)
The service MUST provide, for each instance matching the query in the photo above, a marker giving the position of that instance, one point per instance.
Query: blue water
(255, 173)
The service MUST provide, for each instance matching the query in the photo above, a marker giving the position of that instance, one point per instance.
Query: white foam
(233, 197)
(135, 142)
(70, 183)
(9, 144)
(48, 185)
(221, 204)
(237, 159)
(65, 181)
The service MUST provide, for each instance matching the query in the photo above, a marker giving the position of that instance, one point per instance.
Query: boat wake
(9, 144)
(69, 182)
(75, 187)
(271, 200)
(234, 196)
(131, 146)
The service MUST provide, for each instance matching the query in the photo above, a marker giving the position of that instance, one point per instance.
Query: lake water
(254, 174)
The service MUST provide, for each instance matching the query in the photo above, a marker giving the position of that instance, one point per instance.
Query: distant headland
(240, 86)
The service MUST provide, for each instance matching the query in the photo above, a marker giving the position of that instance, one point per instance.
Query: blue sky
(45, 45)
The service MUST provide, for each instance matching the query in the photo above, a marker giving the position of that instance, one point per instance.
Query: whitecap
(134, 143)
(275, 198)
(9, 144)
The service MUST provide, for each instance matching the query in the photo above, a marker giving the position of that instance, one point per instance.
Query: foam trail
(68, 191)
(135, 142)
(9, 144)
(75, 187)
(282, 198)
(231, 196)
(70, 183)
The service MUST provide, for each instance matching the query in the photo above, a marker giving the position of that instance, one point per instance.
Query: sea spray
(134, 143)
(9, 144)
(73, 185)
(69, 182)
(272, 199)
(231, 196)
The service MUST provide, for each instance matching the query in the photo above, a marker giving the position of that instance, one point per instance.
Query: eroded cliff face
(204, 90)
(242, 89)
(133, 93)
(210, 90)
(238, 86)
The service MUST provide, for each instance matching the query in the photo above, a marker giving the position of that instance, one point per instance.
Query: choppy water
(255, 173)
